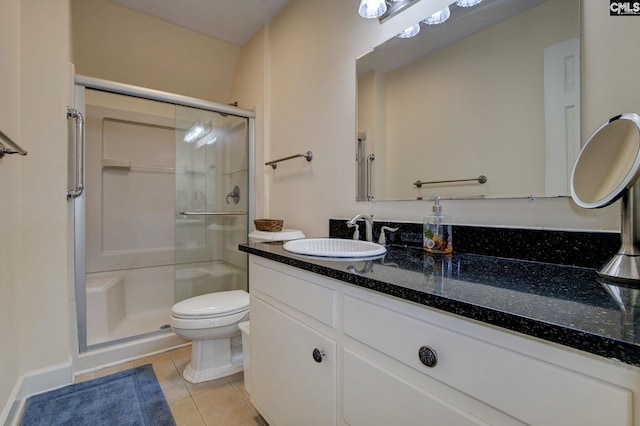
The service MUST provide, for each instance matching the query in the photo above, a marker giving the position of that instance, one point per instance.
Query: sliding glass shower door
(164, 209)
(211, 202)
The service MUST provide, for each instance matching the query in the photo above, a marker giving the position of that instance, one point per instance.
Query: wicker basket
(269, 225)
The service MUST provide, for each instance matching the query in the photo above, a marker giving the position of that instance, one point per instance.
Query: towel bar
(274, 163)
(479, 179)
(16, 148)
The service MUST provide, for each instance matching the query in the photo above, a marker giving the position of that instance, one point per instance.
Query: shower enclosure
(164, 206)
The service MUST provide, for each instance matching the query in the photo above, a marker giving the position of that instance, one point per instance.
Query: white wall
(312, 87)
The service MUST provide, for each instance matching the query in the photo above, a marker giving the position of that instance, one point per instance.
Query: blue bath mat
(131, 397)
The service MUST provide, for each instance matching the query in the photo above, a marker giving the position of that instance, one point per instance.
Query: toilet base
(193, 376)
(213, 359)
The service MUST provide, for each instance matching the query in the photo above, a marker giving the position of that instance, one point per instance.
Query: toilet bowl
(211, 322)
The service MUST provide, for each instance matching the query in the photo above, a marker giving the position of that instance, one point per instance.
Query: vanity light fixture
(372, 8)
(383, 9)
(439, 17)
(412, 31)
(468, 3)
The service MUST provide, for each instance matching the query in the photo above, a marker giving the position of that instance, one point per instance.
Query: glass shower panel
(211, 202)
(129, 199)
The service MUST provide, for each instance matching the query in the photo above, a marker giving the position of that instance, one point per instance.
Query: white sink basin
(334, 247)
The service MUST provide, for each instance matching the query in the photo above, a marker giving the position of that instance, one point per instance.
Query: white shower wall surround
(141, 255)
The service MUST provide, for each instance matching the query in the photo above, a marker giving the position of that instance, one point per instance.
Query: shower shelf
(130, 166)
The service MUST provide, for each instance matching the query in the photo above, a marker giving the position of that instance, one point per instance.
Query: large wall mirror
(494, 91)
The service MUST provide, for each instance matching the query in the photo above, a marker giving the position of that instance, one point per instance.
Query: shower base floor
(134, 325)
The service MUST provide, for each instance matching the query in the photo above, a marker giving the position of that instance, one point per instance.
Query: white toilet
(211, 321)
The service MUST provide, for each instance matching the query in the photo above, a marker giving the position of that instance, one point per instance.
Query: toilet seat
(213, 305)
(209, 323)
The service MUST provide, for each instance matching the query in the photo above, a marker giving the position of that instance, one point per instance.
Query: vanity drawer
(526, 388)
(295, 289)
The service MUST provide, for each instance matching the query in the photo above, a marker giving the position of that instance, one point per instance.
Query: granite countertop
(567, 305)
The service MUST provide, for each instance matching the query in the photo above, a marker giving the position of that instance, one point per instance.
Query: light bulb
(372, 8)
(439, 17)
(412, 31)
(468, 3)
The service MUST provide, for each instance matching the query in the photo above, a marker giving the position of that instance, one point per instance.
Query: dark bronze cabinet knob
(428, 356)
(318, 355)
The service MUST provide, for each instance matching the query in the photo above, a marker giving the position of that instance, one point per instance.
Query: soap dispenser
(437, 235)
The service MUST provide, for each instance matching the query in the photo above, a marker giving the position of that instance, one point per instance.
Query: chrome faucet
(368, 220)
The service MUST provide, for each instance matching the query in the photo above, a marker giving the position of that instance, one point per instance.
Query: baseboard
(48, 378)
(32, 383)
(10, 415)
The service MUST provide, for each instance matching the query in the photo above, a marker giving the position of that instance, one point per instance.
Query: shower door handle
(76, 155)
(213, 213)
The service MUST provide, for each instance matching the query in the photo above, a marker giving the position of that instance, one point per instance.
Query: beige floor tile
(236, 415)
(114, 369)
(236, 376)
(83, 377)
(184, 412)
(256, 412)
(181, 365)
(195, 388)
(198, 423)
(174, 390)
(163, 366)
(181, 354)
(216, 399)
(238, 384)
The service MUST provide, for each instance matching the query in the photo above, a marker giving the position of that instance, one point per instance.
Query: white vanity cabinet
(392, 362)
(293, 362)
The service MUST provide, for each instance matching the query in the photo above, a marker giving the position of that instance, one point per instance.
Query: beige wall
(44, 95)
(249, 89)
(120, 44)
(10, 180)
(34, 46)
(312, 107)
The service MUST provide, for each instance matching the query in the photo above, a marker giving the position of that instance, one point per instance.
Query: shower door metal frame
(79, 270)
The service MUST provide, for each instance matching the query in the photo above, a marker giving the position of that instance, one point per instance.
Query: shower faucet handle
(234, 195)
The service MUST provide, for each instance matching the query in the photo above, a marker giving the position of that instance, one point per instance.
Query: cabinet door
(375, 396)
(289, 386)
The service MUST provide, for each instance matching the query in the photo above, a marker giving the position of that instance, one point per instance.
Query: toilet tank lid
(212, 305)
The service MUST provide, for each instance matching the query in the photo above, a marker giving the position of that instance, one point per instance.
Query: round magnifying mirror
(607, 169)
(608, 164)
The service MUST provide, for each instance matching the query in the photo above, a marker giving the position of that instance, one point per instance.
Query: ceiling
(234, 21)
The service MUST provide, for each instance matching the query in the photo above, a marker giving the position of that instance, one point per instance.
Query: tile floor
(221, 402)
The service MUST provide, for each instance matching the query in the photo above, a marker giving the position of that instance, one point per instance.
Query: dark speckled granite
(573, 248)
(562, 304)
